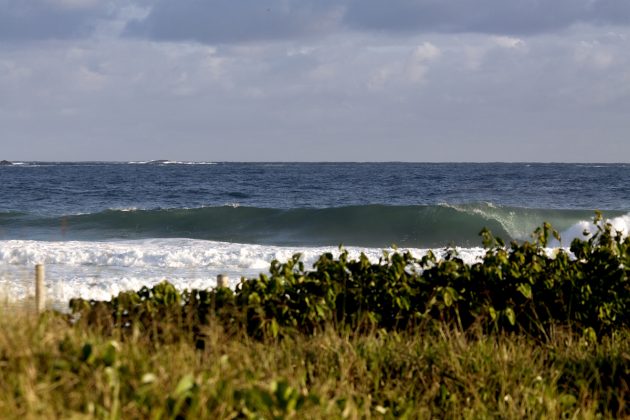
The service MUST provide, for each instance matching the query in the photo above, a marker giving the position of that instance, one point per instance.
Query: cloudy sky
(323, 80)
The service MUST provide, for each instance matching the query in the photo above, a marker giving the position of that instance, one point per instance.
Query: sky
(315, 80)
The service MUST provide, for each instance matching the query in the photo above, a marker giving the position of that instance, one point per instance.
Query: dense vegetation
(519, 334)
(513, 289)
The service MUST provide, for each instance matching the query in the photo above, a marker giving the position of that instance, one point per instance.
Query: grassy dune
(521, 334)
(52, 369)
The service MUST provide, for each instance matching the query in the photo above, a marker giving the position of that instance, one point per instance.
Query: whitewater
(96, 270)
(99, 270)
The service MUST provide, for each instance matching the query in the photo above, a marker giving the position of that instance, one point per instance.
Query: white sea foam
(98, 270)
(169, 162)
(177, 162)
(619, 224)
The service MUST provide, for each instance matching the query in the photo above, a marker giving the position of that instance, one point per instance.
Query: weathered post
(40, 288)
(222, 280)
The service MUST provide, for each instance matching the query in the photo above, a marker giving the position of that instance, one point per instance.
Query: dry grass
(52, 369)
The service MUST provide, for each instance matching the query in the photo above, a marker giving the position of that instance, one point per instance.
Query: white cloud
(594, 54)
(418, 65)
(509, 42)
(426, 52)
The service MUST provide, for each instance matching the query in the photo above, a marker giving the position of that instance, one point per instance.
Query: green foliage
(515, 288)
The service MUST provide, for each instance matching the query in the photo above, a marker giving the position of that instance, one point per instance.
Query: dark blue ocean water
(366, 204)
(105, 227)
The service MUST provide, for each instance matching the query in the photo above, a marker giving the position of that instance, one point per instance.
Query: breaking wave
(369, 225)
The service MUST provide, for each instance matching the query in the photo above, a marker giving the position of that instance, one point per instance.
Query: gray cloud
(459, 83)
(226, 21)
(45, 19)
(353, 97)
(230, 20)
(483, 16)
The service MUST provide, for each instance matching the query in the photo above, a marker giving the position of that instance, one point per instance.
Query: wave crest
(369, 225)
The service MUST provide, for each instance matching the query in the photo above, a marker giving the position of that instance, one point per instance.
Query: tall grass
(51, 368)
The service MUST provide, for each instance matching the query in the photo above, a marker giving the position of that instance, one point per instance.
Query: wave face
(369, 225)
(131, 248)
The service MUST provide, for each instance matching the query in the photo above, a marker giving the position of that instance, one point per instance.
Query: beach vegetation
(523, 288)
(527, 331)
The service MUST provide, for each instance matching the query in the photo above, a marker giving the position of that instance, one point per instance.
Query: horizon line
(177, 161)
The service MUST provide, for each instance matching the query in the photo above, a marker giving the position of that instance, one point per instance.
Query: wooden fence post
(40, 288)
(222, 280)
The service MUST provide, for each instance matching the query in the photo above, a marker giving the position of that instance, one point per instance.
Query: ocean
(101, 227)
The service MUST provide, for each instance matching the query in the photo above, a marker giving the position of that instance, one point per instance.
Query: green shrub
(519, 288)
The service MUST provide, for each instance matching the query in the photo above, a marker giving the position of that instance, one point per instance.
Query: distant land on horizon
(180, 161)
